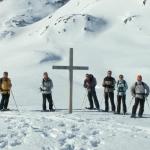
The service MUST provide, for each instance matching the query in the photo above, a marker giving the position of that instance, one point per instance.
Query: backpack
(5, 84)
(121, 89)
(136, 85)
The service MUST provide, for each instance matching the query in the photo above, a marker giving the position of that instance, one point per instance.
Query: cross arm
(80, 68)
(60, 67)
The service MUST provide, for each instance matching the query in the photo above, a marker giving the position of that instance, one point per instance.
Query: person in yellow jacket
(5, 87)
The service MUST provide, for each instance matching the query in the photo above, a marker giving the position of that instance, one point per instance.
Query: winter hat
(139, 78)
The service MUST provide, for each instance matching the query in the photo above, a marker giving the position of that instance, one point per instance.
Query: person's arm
(114, 82)
(133, 90)
(103, 84)
(42, 88)
(147, 90)
(52, 85)
(84, 85)
(126, 85)
(94, 83)
(10, 84)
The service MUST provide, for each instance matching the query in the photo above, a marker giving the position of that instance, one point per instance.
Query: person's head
(109, 73)
(87, 75)
(121, 77)
(5, 74)
(45, 75)
(139, 78)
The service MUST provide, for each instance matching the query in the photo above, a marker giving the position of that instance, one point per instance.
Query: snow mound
(6, 34)
(52, 57)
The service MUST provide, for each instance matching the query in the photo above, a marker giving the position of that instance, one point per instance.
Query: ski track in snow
(60, 131)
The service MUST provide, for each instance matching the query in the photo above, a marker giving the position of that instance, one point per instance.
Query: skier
(121, 94)
(90, 84)
(5, 87)
(140, 91)
(46, 89)
(109, 87)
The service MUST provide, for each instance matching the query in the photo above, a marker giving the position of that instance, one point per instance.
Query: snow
(79, 131)
(34, 35)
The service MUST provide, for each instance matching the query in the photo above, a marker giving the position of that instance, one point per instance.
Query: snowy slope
(105, 34)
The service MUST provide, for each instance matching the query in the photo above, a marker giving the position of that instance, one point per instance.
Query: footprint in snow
(3, 135)
(95, 142)
(3, 144)
(46, 148)
(61, 124)
(68, 147)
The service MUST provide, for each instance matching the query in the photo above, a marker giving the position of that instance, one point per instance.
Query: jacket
(90, 84)
(46, 86)
(109, 84)
(140, 90)
(122, 87)
(5, 85)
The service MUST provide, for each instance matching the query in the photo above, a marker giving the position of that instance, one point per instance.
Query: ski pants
(47, 97)
(4, 101)
(92, 96)
(107, 96)
(121, 98)
(140, 102)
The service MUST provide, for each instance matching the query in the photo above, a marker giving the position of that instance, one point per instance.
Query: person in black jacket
(90, 83)
(109, 87)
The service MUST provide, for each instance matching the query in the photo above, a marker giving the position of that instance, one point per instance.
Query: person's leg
(118, 103)
(95, 99)
(2, 102)
(141, 109)
(6, 100)
(124, 104)
(134, 109)
(111, 96)
(106, 102)
(44, 102)
(90, 99)
(50, 100)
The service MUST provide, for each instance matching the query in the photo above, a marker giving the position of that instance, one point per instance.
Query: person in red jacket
(90, 84)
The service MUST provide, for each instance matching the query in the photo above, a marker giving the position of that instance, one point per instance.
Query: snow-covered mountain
(105, 34)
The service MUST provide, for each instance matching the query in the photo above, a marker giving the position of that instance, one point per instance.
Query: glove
(146, 95)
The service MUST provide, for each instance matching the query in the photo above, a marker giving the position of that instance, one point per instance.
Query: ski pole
(14, 100)
(130, 103)
(83, 101)
(54, 105)
(148, 103)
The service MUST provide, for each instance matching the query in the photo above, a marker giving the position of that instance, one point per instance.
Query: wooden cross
(71, 68)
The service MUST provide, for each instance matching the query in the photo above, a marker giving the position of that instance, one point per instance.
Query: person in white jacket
(46, 89)
(139, 90)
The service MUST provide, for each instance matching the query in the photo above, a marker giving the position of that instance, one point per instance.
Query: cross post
(71, 68)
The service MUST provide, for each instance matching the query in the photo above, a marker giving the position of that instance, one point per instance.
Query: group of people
(139, 90)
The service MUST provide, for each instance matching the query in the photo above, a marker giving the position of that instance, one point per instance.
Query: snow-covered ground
(80, 131)
(105, 34)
